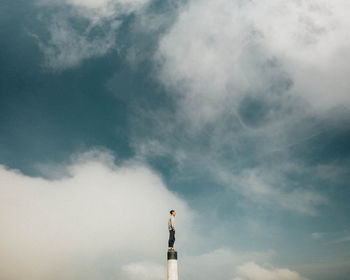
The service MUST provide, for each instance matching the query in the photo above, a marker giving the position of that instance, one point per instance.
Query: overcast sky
(235, 113)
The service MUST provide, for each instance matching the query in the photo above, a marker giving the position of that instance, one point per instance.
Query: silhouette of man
(171, 228)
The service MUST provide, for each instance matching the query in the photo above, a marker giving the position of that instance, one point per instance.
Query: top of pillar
(172, 255)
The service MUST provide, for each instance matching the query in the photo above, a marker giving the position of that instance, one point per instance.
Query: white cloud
(143, 270)
(227, 264)
(219, 263)
(252, 271)
(69, 43)
(101, 4)
(97, 222)
(98, 10)
(200, 56)
(219, 51)
(310, 38)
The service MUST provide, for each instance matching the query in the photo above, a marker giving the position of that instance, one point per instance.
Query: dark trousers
(171, 238)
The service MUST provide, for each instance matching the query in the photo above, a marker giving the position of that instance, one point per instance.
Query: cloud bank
(95, 223)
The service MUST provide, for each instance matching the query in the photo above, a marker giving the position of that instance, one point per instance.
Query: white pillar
(172, 266)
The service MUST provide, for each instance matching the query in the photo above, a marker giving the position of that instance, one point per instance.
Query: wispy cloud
(317, 235)
(273, 188)
(249, 80)
(80, 29)
(341, 239)
(252, 160)
(67, 47)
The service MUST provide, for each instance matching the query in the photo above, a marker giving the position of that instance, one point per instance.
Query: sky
(235, 113)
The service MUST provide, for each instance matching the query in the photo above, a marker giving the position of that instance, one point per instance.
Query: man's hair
(171, 211)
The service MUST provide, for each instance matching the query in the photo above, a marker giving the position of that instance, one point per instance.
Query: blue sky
(235, 113)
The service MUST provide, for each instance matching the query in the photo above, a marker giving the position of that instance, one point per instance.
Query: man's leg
(170, 243)
(171, 238)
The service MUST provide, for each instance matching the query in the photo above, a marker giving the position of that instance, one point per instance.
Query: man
(171, 227)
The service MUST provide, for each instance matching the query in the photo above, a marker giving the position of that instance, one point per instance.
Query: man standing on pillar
(171, 227)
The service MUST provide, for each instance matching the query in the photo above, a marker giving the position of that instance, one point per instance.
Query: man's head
(172, 212)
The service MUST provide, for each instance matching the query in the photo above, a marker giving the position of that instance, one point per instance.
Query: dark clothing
(171, 238)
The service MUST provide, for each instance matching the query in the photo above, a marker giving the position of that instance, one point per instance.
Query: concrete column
(172, 266)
